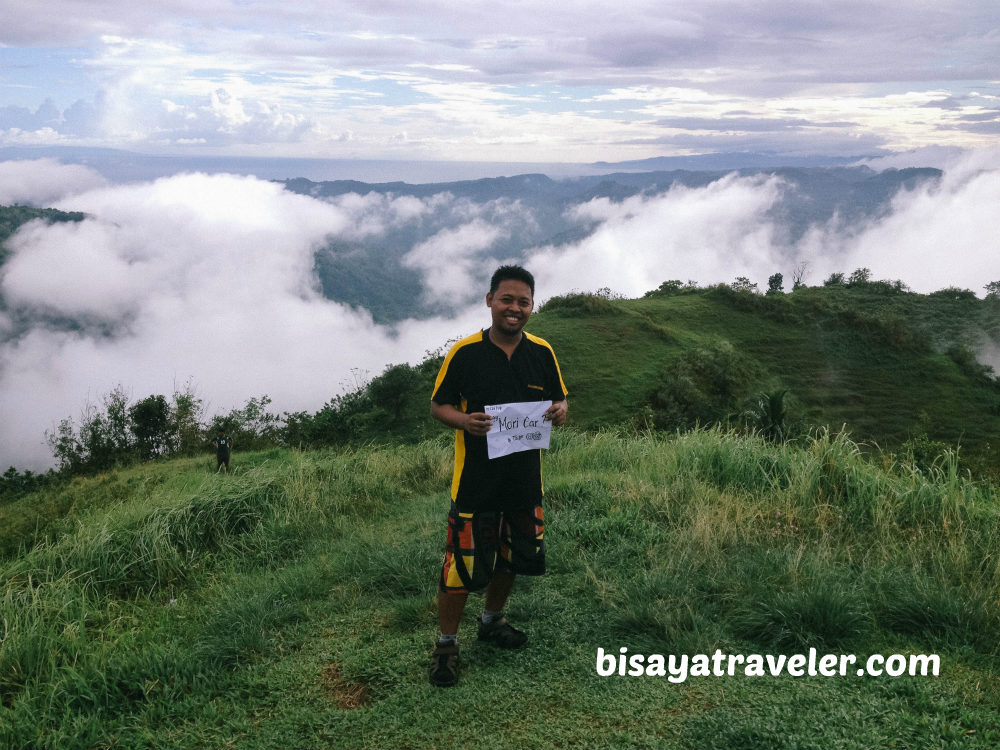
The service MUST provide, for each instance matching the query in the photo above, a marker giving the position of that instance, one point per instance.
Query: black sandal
(502, 633)
(444, 665)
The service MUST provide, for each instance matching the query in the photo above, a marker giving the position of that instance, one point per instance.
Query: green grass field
(292, 603)
(886, 365)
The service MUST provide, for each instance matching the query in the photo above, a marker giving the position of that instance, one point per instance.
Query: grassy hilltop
(886, 363)
(291, 603)
(898, 370)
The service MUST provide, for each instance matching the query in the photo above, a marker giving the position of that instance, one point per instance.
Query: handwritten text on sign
(518, 427)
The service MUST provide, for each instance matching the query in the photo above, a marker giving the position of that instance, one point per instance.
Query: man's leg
(451, 605)
(499, 589)
(444, 660)
(521, 546)
(451, 602)
(493, 626)
(450, 608)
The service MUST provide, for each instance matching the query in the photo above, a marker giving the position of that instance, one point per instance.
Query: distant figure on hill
(223, 448)
(495, 528)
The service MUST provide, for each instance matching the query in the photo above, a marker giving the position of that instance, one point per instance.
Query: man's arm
(476, 423)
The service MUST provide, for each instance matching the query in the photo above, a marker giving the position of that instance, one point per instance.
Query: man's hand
(556, 414)
(478, 423)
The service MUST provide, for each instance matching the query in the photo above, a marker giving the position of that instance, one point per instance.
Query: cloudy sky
(513, 81)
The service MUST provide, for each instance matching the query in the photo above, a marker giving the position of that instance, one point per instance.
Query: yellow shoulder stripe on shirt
(547, 345)
(472, 338)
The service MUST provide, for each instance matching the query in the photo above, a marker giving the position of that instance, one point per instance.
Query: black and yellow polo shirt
(475, 373)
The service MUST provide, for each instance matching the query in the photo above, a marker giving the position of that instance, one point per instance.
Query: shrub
(703, 386)
(923, 453)
(578, 304)
(673, 287)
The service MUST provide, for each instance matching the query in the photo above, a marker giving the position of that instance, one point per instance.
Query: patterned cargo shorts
(481, 542)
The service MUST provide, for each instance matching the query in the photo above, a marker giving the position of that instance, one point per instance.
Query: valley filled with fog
(299, 289)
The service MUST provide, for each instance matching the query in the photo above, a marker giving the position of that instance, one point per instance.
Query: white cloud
(455, 256)
(211, 278)
(208, 278)
(450, 260)
(371, 214)
(534, 81)
(41, 182)
(709, 235)
(934, 237)
(73, 270)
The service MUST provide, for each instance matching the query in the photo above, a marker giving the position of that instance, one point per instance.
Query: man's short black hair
(512, 273)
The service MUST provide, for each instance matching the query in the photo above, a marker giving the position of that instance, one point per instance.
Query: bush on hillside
(673, 287)
(770, 413)
(703, 386)
(886, 327)
(251, 426)
(14, 483)
(861, 279)
(392, 406)
(922, 453)
(968, 363)
(584, 304)
(955, 293)
(743, 295)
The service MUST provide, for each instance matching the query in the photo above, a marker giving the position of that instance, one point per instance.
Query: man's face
(511, 306)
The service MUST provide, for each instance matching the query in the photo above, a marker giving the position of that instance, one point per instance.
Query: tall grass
(124, 607)
(786, 544)
(176, 613)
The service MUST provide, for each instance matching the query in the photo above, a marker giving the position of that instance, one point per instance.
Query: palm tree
(768, 415)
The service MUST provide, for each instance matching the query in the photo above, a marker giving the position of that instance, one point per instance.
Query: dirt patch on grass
(345, 694)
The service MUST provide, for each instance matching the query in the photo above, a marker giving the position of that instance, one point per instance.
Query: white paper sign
(518, 427)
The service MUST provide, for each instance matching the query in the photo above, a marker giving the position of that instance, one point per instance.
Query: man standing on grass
(495, 528)
(223, 450)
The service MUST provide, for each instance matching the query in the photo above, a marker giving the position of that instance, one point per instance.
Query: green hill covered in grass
(902, 373)
(292, 602)
(887, 364)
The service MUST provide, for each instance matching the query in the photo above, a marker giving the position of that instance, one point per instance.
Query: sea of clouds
(210, 279)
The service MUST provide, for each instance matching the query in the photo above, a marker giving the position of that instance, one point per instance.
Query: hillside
(886, 363)
(292, 603)
(904, 374)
